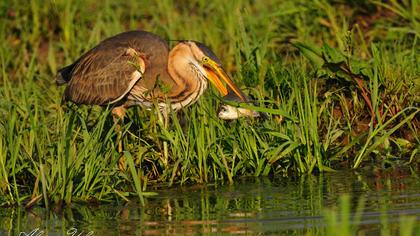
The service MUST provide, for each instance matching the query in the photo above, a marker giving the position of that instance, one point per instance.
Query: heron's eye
(205, 60)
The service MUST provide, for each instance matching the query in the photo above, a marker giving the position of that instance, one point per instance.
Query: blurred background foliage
(340, 81)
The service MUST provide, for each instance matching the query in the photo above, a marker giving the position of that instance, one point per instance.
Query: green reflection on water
(249, 206)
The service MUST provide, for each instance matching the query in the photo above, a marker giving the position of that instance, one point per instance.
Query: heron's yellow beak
(216, 75)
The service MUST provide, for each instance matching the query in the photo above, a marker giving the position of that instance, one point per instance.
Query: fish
(228, 112)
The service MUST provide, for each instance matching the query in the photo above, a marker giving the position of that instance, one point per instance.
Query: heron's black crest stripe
(208, 52)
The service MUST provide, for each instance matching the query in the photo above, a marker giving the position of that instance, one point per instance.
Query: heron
(138, 68)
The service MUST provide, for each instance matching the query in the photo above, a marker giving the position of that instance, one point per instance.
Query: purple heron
(137, 68)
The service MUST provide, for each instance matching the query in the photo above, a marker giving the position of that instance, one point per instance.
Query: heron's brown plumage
(137, 68)
(104, 73)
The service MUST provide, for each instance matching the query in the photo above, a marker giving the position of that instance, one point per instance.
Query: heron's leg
(118, 114)
(163, 115)
(165, 125)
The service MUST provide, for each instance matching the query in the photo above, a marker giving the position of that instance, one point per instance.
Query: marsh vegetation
(339, 82)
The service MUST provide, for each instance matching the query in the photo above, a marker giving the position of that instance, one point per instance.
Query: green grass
(341, 222)
(341, 88)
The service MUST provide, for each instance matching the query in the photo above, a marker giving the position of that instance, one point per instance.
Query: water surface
(250, 206)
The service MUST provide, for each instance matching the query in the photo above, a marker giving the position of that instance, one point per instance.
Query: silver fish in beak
(227, 112)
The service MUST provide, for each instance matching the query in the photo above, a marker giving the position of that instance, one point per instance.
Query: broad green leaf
(342, 75)
(356, 66)
(311, 52)
(332, 55)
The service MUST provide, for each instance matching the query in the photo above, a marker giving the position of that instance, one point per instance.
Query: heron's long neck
(185, 84)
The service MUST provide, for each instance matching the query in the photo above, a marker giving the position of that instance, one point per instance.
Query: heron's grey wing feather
(103, 75)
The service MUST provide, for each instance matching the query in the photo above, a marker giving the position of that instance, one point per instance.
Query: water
(250, 206)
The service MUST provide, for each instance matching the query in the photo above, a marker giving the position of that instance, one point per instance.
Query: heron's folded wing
(104, 75)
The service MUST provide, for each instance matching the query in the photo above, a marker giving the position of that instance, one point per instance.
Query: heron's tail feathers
(64, 75)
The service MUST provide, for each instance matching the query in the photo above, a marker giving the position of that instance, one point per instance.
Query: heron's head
(210, 66)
